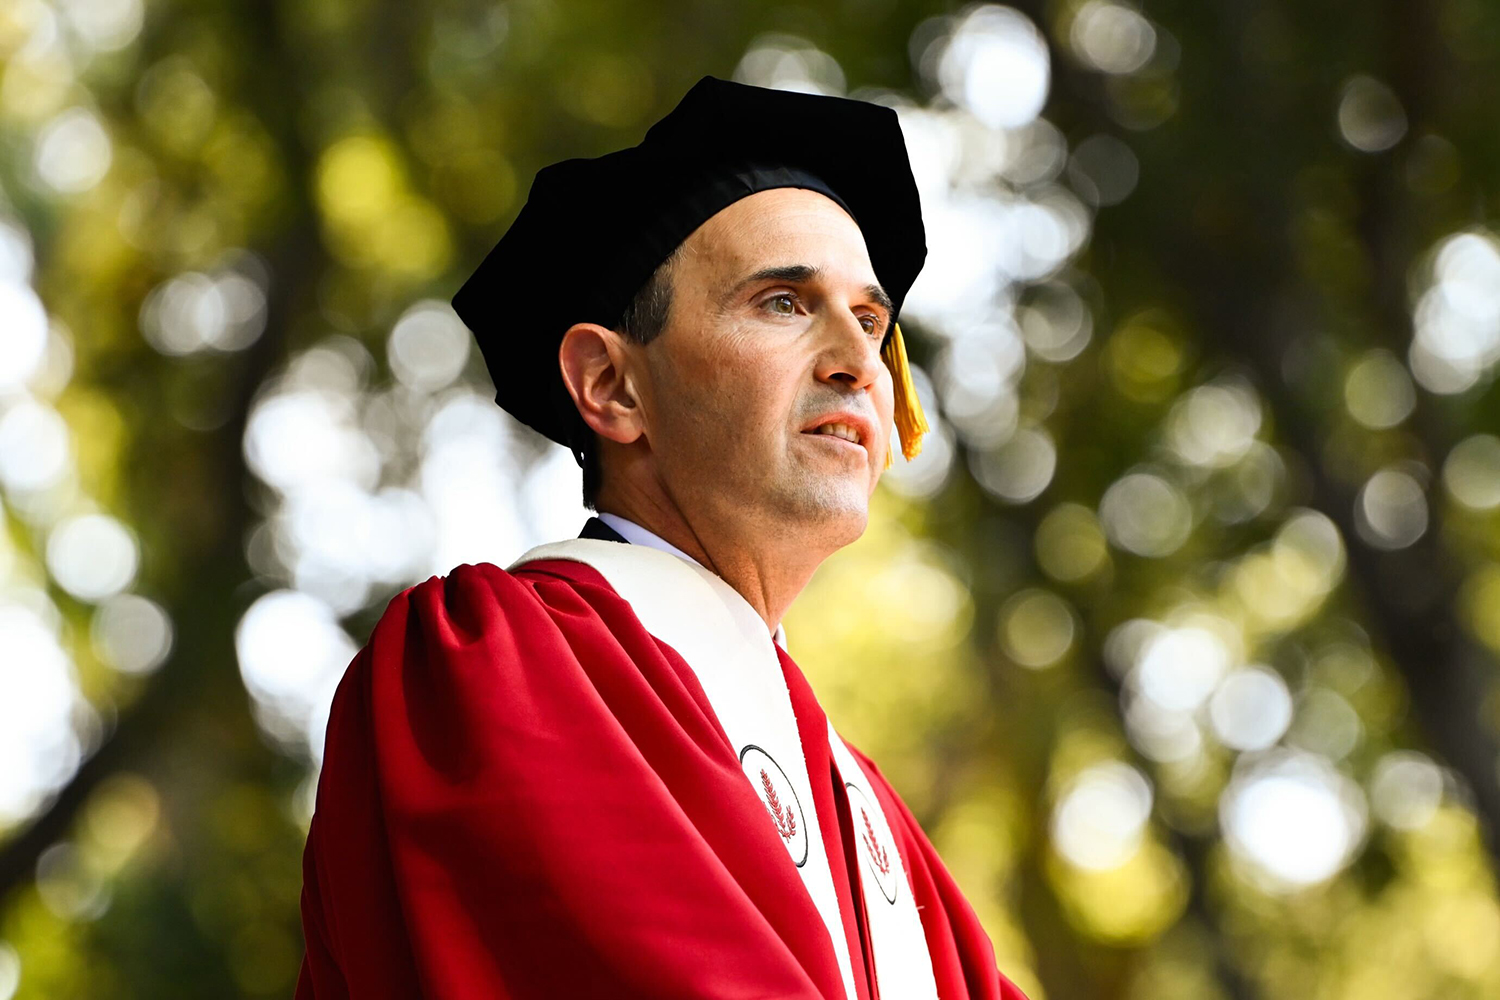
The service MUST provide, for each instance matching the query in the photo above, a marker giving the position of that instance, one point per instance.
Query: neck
(768, 578)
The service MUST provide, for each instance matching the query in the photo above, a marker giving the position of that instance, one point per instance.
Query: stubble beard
(810, 500)
(829, 509)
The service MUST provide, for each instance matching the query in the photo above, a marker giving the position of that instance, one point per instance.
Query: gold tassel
(911, 423)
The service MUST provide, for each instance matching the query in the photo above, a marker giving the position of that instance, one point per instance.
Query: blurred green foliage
(1259, 456)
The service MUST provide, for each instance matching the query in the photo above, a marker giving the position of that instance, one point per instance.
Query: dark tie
(595, 528)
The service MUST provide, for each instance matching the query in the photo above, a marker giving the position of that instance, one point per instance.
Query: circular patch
(780, 799)
(875, 841)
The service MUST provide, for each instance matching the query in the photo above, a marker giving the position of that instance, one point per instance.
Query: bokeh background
(1181, 636)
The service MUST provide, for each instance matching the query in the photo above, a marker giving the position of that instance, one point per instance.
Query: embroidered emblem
(786, 824)
(877, 853)
(780, 799)
(879, 849)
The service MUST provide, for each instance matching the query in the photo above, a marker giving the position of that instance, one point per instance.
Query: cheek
(752, 413)
(755, 386)
(773, 394)
(728, 390)
(712, 404)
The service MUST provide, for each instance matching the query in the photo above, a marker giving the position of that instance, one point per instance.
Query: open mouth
(842, 431)
(840, 437)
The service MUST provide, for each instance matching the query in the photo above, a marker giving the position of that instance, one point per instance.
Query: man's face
(775, 329)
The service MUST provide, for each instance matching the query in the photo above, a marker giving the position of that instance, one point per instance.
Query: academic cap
(593, 230)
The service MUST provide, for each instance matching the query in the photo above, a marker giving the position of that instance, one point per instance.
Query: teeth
(840, 430)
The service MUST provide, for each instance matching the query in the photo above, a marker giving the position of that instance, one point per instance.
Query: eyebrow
(799, 274)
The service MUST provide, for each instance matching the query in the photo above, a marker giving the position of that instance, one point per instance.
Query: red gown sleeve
(525, 795)
(963, 959)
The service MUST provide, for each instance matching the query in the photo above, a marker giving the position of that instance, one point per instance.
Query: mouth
(841, 434)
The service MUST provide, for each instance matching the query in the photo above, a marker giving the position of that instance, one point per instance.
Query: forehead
(780, 225)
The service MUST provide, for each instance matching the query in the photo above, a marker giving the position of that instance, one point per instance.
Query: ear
(595, 364)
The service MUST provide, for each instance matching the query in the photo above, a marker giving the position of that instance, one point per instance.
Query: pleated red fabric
(525, 795)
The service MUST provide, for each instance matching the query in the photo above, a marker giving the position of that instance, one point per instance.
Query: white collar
(637, 535)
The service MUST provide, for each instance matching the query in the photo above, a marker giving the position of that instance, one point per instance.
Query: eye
(788, 298)
(874, 323)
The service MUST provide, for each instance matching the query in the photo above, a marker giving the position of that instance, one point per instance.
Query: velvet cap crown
(593, 230)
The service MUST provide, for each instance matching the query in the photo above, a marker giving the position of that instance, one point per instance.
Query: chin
(832, 512)
(850, 528)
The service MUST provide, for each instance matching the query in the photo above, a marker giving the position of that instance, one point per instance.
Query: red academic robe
(526, 795)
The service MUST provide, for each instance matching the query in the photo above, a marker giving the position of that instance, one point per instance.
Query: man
(598, 773)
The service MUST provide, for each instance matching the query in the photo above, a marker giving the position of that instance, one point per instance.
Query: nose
(851, 355)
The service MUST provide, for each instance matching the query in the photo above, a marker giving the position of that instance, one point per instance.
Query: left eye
(874, 323)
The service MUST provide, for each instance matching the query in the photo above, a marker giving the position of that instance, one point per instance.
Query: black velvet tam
(592, 231)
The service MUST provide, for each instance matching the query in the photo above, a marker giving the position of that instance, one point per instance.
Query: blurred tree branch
(1408, 593)
(205, 615)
